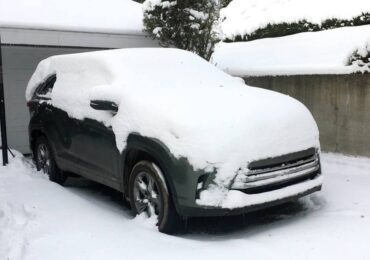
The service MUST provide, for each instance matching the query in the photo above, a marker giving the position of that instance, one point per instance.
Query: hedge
(284, 29)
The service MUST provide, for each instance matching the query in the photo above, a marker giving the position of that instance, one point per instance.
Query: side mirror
(104, 105)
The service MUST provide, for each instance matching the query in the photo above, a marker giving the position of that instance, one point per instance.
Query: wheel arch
(146, 149)
(37, 132)
(34, 135)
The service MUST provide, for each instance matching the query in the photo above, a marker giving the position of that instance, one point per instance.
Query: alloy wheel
(43, 158)
(147, 197)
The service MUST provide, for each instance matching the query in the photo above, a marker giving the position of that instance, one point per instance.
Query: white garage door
(19, 62)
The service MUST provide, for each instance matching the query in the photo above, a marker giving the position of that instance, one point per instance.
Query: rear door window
(43, 91)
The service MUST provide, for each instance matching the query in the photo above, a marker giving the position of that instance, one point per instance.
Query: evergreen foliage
(361, 59)
(185, 24)
(225, 3)
(284, 29)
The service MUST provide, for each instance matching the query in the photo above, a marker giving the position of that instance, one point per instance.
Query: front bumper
(265, 184)
(249, 203)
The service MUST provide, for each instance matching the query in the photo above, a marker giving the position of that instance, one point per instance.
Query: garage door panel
(26, 58)
(19, 140)
(19, 76)
(23, 61)
(19, 63)
(17, 119)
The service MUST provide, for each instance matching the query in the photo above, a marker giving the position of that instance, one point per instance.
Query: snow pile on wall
(111, 16)
(325, 52)
(245, 16)
(196, 110)
(360, 58)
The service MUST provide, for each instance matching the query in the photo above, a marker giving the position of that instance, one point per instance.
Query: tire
(160, 203)
(45, 161)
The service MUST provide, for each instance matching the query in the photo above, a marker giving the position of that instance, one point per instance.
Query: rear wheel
(149, 195)
(45, 161)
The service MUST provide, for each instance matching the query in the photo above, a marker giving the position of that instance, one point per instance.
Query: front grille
(275, 173)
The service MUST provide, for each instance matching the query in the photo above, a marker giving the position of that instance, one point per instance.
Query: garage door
(19, 62)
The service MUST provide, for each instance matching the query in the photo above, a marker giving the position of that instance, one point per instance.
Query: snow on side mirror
(104, 105)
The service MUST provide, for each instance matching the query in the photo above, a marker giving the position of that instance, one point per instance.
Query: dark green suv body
(146, 172)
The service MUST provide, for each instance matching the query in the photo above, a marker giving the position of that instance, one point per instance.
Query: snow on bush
(188, 25)
(284, 29)
(253, 19)
(325, 52)
(360, 59)
(225, 3)
(197, 111)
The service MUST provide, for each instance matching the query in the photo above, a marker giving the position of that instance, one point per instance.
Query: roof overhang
(41, 37)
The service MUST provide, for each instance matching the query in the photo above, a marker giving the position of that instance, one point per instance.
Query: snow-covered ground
(42, 220)
(325, 52)
(245, 16)
(109, 16)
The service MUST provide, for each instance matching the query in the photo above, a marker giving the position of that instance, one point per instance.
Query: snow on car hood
(224, 129)
(196, 110)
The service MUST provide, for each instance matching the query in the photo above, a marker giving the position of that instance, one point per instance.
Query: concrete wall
(339, 103)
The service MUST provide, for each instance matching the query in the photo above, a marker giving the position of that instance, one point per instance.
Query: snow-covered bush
(284, 29)
(360, 58)
(277, 30)
(333, 23)
(185, 24)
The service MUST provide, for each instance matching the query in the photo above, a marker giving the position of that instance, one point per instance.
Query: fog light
(202, 184)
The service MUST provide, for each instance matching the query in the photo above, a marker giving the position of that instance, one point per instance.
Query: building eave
(45, 37)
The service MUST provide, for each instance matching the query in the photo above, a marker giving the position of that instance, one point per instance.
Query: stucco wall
(339, 103)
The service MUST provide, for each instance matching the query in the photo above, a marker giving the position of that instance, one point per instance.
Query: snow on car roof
(325, 52)
(156, 68)
(110, 16)
(245, 16)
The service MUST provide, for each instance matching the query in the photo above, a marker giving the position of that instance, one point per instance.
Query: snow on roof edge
(90, 16)
(310, 53)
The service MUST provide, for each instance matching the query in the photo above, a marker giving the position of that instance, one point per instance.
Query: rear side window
(44, 90)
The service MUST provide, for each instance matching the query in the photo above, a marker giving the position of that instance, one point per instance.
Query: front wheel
(45, 161)
(149, 195)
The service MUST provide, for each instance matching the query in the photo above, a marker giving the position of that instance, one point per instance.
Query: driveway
(42, 220)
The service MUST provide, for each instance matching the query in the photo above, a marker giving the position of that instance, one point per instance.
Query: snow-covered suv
(178, 137)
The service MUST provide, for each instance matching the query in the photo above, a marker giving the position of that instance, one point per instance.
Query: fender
(155, 150)
(181, 177)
